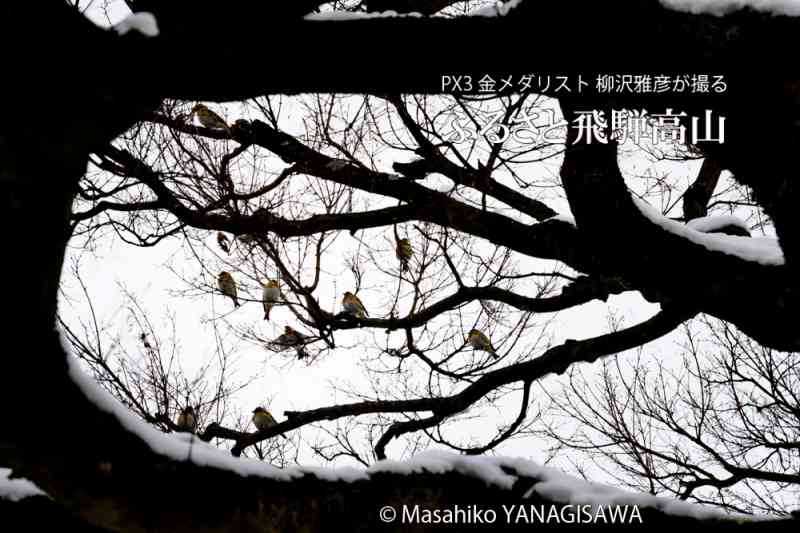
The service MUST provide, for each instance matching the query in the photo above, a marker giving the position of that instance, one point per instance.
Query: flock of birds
(351, 303)
(271, 295)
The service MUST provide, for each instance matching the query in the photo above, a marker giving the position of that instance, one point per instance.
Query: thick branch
(649, 257)
(697, 196)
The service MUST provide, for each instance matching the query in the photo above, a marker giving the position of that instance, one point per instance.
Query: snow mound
(143, 22)
(710, 224)
(552, 484)
(349, 15)
(762, 250)
(723, 7)
(499, 9)
(16, 489)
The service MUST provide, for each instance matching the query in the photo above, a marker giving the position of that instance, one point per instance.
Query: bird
(227, 285)
(270, 294)
(291, 338)
(242, 126)
(404, 253)
(187, 420)
(353, 306)
(145, 342)
(209, 119)
(247, 238)
(224, 242)
(479, 341)
(263, 419)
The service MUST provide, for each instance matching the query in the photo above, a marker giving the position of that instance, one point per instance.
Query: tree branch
(554, 361)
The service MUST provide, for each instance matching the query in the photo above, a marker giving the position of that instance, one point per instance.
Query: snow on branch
(143, 22)
(710, 224)
(562, 218)
(499, 9)
(724, 7)
(551, 484)
(349, 15)
(762, 250)
(16, 489)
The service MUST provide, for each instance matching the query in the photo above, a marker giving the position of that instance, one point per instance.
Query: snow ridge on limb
(724, 7)
(143, 22)
(16, 489)
(761, 250)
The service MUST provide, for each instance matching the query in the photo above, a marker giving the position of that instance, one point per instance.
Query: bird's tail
(267, 309)
(236, 302)
(301, 353)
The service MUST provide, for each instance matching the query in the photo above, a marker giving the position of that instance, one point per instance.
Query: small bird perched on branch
(263, 419)
(247, 238)
(479, 341)
(404, 253)
(353, 306)
(270, 294)
(145, 342)
(292, 339)
(227, 285)
(243, 125)
(187, 420)
(224, 242)
(209, 119)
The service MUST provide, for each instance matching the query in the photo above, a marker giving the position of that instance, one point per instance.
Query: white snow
(348, 15)
(562, 488)
(16, 489)
(499, 9)
(723, 7)
(143, 22)
(553, 484)
(762, 250)
(440, 462)
(712, 223)
(562, 218)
